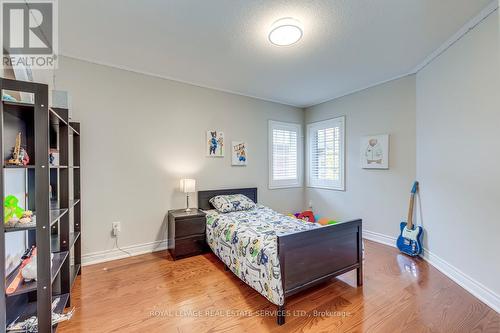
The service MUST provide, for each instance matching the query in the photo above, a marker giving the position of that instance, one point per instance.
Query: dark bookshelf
(57, 212)
(56, 241)
(74, 272)
(26, 287)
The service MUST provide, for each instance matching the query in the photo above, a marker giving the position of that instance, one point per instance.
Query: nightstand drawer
(186, 232)
(190, 227)
(189, 246)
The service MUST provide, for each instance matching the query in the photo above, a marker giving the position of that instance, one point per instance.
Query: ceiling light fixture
(286, 31)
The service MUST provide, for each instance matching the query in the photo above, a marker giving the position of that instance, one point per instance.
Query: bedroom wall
(141, 134)
(458, 117)
(379, 197)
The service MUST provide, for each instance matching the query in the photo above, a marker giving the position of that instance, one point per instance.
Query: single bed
(278, 255)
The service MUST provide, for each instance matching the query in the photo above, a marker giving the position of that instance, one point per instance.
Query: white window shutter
(285, 155)
(326, 154)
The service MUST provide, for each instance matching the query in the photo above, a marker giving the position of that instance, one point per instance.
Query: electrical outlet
(310, 204)
(117, 227)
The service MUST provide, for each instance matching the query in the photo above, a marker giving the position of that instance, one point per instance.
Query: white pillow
(232, 203)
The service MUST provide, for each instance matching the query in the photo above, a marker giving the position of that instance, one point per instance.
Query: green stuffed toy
(12, 210)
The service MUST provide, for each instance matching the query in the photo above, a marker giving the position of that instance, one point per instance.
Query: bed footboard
(310, 257)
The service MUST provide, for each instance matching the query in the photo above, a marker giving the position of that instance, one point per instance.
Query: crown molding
(164, 77)
(470, 25)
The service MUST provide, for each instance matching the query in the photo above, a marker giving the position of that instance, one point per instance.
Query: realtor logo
(29, 33)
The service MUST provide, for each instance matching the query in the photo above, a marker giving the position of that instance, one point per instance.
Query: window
(284, 154)
(326, 154)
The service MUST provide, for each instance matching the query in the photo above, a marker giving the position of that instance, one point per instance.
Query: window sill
(277, 187)
(340, 189)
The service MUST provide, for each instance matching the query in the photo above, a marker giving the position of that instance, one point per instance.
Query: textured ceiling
(222, 44)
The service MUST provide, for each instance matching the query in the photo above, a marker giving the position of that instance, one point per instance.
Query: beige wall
(379, 197)
(458, 154)
(141, 134)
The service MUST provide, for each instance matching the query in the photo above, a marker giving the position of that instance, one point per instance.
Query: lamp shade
(188, 185)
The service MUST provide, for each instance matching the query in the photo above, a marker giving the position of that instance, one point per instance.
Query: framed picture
(215, 143)
(239, 153)
(375, 152)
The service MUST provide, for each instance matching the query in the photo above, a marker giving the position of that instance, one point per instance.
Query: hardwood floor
(151, 293)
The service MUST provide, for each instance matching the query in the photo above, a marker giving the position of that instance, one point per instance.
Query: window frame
(289, 183)
(323, 124)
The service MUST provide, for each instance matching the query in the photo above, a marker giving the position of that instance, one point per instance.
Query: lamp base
(187, 210)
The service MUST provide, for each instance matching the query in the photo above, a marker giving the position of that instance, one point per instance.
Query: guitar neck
(409, 224)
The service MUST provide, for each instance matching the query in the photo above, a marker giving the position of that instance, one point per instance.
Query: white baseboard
(114, 254)
(477, 289)
(379, 238)
(474, 287)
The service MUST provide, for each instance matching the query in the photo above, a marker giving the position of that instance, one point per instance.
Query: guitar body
(410, 241)
(410, 238)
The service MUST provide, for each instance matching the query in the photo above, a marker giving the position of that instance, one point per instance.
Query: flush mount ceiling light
(285, 32)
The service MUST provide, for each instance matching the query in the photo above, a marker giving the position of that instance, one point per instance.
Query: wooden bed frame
(309, 257)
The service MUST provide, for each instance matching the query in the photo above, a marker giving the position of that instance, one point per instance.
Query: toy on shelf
(53, 156)
(12, 210)
(30, 325)
(23, 155)
(8, 98)
(29, 272)
(26, 218)
(19, 154)
(16, 216)
(27, 258)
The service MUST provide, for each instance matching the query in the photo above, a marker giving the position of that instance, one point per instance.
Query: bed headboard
(205, 196)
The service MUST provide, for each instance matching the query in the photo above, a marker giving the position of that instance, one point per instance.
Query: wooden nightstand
(186, 230)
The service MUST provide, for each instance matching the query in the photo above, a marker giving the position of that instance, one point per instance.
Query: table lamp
(188, 186)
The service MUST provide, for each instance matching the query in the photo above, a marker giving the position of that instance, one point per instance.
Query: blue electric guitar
(410, 239)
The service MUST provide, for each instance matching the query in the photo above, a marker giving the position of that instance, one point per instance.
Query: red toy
(307, 216)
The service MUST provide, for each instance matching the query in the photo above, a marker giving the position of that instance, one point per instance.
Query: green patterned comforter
(246, 242)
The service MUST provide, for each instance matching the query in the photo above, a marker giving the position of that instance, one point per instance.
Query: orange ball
(323, 221)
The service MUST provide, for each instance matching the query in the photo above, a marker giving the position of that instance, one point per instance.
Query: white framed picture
(239, 153)
(215, 143)
(375, 152)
